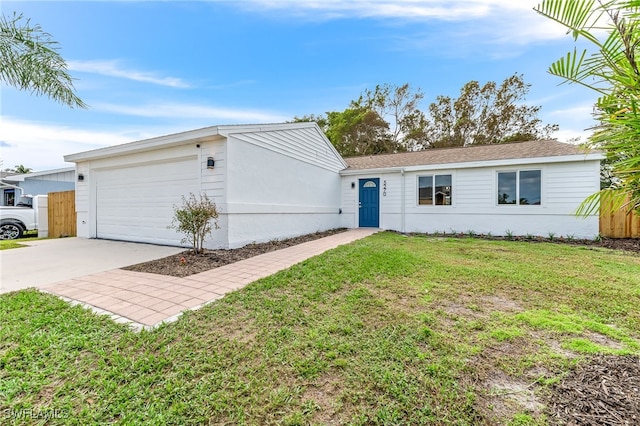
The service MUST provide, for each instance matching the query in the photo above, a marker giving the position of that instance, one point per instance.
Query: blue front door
(369, 203)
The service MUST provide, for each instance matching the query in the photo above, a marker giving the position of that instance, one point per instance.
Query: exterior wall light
(210, 163)
(353, 185)
(80, 177)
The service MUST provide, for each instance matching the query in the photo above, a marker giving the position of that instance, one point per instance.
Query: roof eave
(592, 156)
(199, 135)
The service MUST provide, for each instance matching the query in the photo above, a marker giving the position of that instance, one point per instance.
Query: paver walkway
(146, 300)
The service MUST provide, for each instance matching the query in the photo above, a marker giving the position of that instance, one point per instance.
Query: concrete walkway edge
(144, 301)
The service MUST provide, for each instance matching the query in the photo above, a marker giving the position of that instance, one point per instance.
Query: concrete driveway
(48, 261)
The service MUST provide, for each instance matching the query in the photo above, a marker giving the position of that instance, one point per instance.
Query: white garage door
(136, 203)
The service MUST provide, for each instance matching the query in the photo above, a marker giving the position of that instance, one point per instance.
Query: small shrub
(551, 236)
(509, 234)
(196, 218)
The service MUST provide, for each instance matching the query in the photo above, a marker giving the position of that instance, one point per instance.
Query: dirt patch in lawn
(188, 263)
(605, 390)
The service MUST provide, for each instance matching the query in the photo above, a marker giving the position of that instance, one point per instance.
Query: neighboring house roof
(4, 175)
(22, 176)
(200, 135)
(471, 154)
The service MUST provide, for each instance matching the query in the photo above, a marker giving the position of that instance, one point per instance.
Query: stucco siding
(270, 195)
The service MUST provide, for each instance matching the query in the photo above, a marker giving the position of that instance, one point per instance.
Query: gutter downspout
(402, 202)
(8, 185)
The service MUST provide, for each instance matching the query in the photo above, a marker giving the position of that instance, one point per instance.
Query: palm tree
(612, 71)
(29, 60)
(21, 169)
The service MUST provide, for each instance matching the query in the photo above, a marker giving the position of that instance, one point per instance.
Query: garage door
(136, 203)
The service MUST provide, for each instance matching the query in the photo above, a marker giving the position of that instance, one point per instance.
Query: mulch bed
(624, 244)
(603, 391)
(188, 263)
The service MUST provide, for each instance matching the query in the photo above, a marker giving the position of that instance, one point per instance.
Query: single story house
(275, 181)
(268, 181)
(14, 186)
(525, 188)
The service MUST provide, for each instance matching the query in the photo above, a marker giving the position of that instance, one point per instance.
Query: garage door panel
(137, 203)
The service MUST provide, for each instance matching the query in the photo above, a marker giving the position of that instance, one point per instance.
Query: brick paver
(146, 300)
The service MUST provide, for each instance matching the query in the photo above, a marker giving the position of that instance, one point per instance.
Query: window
(9, 197)
(434, 190)
(520, 188)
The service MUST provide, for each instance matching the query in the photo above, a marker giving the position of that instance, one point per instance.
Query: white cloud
(468, 24)
(41, 146)
(215, 115)
(584, 110)
(403, 9)
(114, 69)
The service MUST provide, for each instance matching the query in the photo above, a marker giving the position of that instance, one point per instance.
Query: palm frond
(29, 60)
(606, 201)
(576, 15)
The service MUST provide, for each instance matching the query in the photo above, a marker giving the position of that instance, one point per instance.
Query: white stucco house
(268, 181)
(275, 181)
(517, 188)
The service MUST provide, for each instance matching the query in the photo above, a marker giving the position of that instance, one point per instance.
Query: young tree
(196, 218)
(486, 114)
(611, 70)
(29, 60)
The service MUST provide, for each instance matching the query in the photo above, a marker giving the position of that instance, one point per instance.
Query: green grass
(12, 244)
(388, 330)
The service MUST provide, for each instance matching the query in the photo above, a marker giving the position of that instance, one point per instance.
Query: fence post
(41, 209)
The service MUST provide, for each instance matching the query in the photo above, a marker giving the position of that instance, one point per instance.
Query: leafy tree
(358, 131)
(383, 120)
(486, 114)
(398, 106)
(611, 70)
(195, 219)
(388, 119)
(29, 60)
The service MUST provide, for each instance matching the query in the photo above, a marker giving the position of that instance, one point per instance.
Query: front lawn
(387, 330)
(12, 244)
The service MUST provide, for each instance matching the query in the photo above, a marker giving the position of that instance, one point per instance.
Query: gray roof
(505, 151)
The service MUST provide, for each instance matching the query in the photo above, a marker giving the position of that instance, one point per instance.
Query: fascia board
(199, 135)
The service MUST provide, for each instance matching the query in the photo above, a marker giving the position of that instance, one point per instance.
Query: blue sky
(151, 68)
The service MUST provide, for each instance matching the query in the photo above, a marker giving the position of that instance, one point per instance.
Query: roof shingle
(531, 149)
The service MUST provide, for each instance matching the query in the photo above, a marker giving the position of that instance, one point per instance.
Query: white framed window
(435, 190)
(520, 187)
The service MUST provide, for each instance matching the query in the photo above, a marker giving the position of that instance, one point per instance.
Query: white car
(14, 221)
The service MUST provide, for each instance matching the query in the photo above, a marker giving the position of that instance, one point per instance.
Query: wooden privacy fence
(62, 214)
(618, 224)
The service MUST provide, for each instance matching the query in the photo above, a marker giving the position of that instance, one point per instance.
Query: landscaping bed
(189, 263)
